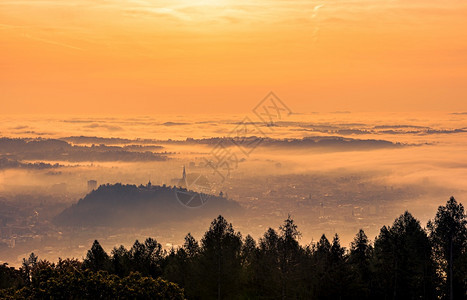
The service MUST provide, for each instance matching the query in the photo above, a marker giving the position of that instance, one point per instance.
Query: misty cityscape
(45, 179)
(59, 195)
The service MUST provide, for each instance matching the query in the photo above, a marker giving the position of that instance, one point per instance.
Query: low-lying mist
(368, 170)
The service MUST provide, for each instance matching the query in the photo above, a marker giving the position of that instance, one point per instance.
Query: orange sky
(208, 56)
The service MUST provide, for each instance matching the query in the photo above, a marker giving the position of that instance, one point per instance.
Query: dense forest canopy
(405, 261)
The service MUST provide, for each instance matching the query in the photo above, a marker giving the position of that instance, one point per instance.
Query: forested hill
(57, 150)
(121, 205)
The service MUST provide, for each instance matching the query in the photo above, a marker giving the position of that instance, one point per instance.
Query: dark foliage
(405, 262)
(68, 279)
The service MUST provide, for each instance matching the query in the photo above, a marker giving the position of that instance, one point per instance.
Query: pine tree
(267, 270)
(404, 266)
(121, 263)
(191, 245)
(249, 261)
(220, 260)
(27, 266)
(289, 258)
(96, 258)
(359, 262)
(448, 232)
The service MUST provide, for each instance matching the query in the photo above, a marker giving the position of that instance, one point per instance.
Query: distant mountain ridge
(338, 143)
(59, 150)
(125, 205)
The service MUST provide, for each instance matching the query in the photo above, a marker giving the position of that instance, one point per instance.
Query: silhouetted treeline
(52, 149)
(406, 261)
(6, 163)
(337, 142)
(328, 143)
(70, 279)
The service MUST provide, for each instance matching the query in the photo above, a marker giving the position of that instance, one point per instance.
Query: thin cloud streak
(51, 42)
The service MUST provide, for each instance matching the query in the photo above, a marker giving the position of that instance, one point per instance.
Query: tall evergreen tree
(137, 257)
(289, 258)
(359, 262)
(321, 261)
(120, 259)
(267, 270)
(153, 256)
(184, 267)
(220, 260)
(249, 260)
(191, 246)
(27, 266)
(404, 265)
(333, 276)
(337, 251)
(448, 233)
(96, 258)
(146, 257)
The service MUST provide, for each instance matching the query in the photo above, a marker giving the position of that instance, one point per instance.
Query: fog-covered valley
(334, 172)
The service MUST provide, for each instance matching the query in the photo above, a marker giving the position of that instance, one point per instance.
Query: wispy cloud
(51, 42)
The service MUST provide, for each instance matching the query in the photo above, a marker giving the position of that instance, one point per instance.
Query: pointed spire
(184, 173)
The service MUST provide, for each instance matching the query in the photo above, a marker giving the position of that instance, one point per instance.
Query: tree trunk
(219, 278)
(451, 292)
(395, 281)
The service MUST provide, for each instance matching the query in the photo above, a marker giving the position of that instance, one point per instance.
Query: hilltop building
(92, 185)
(181, 182)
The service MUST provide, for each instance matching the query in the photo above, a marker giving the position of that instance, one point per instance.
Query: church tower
(184, 174)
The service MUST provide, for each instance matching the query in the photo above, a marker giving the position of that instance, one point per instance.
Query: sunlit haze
(140, 57)
(233, 149)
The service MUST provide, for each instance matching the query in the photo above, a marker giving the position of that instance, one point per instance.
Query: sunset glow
(217, 56)
(233, 149)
